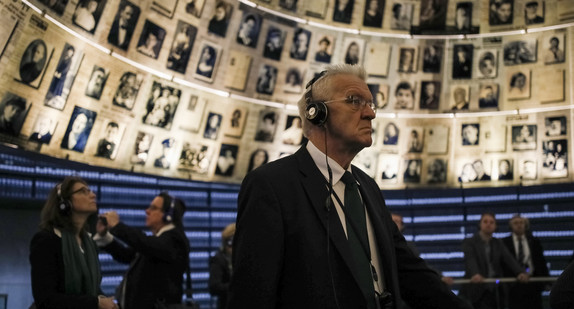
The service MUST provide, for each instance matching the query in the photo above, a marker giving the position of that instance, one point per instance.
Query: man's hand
(477, 278)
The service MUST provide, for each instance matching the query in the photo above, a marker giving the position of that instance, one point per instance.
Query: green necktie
(358, 238)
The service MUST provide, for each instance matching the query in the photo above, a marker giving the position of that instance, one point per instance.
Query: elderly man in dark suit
(308, 237)
(528, 252)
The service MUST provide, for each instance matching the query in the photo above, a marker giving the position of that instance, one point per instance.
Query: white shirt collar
(165, 228)
(319, 159)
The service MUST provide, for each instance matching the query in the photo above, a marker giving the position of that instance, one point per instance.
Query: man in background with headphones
(307, 236)
(157, 262)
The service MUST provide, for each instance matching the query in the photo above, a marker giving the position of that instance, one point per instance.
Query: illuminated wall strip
(492, 198)
(461, 236)
(200, 87)
(546, 196)
(440, 237)
(442, 255)
(558, 252)
(455, 218)
(77, 35)
(142, 67)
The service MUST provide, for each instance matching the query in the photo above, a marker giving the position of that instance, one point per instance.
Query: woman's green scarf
(82, 270)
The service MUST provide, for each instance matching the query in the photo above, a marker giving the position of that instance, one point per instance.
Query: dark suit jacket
(536, 251)
(156, 272)
(290, 251)
(476, 263)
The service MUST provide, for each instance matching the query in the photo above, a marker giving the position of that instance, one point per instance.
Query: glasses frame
(83, 190)
(356, 102)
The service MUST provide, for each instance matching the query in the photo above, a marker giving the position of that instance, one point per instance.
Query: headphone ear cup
(316, 113)
(65, 207)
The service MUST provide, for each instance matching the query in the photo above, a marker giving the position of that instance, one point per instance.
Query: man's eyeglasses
(83, 190)
(356, 102)
(153, 207)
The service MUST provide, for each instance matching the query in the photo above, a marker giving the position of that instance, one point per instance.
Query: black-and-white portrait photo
(463, 17)
(110, 140)
(343, 11)
(470, 133)
(436, 171)
(430, 95)
(555, 158)
(487, 63)
(266, 79)
(462, 61)
(388, 168)
(402, 16)
(220, 19)
(407, 59)
(193, 7)
(415, 141)
(33, 63)
(88, 13)
(527, 168)
(14, 111)
(373, 16)
(505, 169)
(290, 5)
(524, 137)
(257, 158)
(248, 33)
(488, 95)
(501, 12)
(274, 43)
(195, 157)
(181, 46)
(58, 6)
(236, 118)
(432, 58)
(141, 148)
(43, 129)
(555, 126)
(167, 151)
(127, 91)
(412, 173)
(553, 48)
(293, 80)
(325, 49)
(151, 39)
(391, 134)
(460, 96)
(433, 14)
(97, 82)
(353, 51)
(207, 63)
(520, 52)
(404, 95)
(78, 130)
(212, 126)
(266, 126)
(226, 160)
(293, 133)
(300, 45)
(161, 105)
(63, 77)
(518, 84)
(534, 12)
(124, 23)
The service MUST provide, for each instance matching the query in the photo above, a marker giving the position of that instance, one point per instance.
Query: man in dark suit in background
(528, 252)
(123, 26)
(307, 237)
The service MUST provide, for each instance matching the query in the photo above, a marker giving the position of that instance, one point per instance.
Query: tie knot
(348, 179)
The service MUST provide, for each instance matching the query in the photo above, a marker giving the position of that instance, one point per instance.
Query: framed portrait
(493, 135)
(463, 18)
(274, 43)
(518, 84)
(128, 88)
(555, 126)
(415, 140)
(462, 61)
(266, 79)
(402, 15)
(294, 80)
(289, 5)
(373, 16)
(316, 8)
(377, 58)
(166, 156)
(388, 169)
(324, 48)
(124, 23)
(488, 95)
(7, 29)
(87, 14)
(408, 56)
(381, 96)
(208, 60)
(343, 11)
(141, 148)
(165, 7)
(437, 139)
(550, 85)
(470, 134)
(266, 125)
(366, 160)
(79, 129)
(300, 44)
(487, 63)
(195, 158)
(520, 52)
(14, 111)
(33, 63)
(193, 7)
(236, 119)
(181, 46)
(237, 70)
(258, 157)
(226, 160)
(412, 171)
(460, 97)
(405, 95)
(151, 39)
(249, 28)
(212, 125)
(161, 105)
(527, 168)
(524, 137)
(555, 158)
(193, 114)
(430, 95)
(44, 128)
(433, 14)
(432, 58)
(553, 47)
(504, 170)
(97, 82)
(57, 6)
(391, 134)
(436, 170)
(63, 77)
(293, 132)
(220, 19)
(501, 12)
(110, 139)
(534, 12)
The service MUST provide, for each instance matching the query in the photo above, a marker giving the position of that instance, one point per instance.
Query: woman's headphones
(64, 205)
(168, 214)
(316, 111)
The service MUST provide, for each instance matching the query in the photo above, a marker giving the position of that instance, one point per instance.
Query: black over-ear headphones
(64, 205)
(168, 215)
(316, 111)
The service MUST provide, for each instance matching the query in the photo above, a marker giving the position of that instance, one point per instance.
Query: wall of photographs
(206, 90)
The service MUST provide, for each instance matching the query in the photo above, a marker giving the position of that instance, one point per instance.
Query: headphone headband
(316, 111)
(168, 216)
(64, 205)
